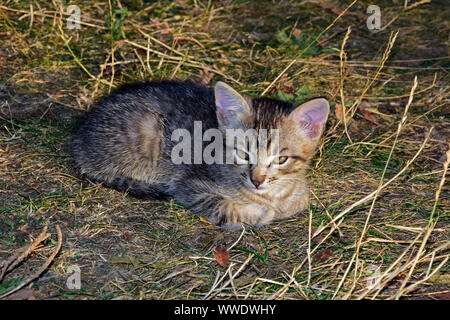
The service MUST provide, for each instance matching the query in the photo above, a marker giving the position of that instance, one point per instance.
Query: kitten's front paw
(233, 215)
(255, 214)
(294, 206)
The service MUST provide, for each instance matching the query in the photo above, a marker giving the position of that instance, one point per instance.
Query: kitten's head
(288, 137)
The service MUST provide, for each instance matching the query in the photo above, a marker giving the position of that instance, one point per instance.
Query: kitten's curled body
(125, 143)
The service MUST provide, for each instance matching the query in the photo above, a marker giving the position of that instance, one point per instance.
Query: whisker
(290, 179)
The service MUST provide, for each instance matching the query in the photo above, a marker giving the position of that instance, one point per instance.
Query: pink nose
(258, 182)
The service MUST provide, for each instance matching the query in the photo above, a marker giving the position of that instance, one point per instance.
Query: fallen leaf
(323, 255)
(109, 70)
(268, 235)
(296, 32)
(24, 294)
(99, 185)
(339, 112)
(289, 90)
(126, 260)
(179, 40)
(128, 235)
(222, 256)
(384, 116)
(204, 220)
(373, 115)
(370, 116)
(273, 90)
(443, 296)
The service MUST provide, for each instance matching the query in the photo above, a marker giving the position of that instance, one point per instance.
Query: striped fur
(125, 143)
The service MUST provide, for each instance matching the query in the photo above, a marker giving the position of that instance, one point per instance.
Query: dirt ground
(346, 246)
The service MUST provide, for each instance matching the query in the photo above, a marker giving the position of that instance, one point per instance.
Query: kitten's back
(122, 141)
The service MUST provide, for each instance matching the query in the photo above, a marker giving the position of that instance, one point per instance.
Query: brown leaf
(443, 296)
(369, 116)
(339, 112)
(289, 90)
(323, 255)
(24, 294)
(128, 235)
(222, 256)
(273, 90)
(179, 40)
(296, 32)
(99, 185)
(109, 69)
(268, 235)
(204, 220)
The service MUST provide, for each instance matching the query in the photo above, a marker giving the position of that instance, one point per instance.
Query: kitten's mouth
(260, 190)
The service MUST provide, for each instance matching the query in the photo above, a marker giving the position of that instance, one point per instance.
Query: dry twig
(42, 269)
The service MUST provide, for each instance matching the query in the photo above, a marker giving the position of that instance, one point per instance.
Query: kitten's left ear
(312, 116)
(232, 109)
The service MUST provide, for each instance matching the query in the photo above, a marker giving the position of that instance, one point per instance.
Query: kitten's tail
(136, 189)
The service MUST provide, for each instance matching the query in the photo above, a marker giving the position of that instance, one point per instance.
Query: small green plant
(301, 42)
(115, 21)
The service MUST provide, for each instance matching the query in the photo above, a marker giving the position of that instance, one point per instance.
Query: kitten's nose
(258, 181)
(257, 176)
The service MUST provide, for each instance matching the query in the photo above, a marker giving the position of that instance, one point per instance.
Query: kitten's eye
(280, 160)
(242, 154)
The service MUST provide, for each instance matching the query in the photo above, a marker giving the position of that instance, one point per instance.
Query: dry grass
(377, 226)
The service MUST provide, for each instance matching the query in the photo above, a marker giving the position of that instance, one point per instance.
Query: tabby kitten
(127, 142)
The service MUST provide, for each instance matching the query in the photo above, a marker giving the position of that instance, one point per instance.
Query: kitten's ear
(232, 109)
(311, 116)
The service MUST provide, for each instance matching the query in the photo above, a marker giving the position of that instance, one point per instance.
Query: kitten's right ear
(311, 117)
(232, 109)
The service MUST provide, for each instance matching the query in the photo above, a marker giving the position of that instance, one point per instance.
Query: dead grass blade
(22, 253)
(372, 194)
(307, 47)
(43, 268)
(342, 63)
(428, 230)
(369, 214)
